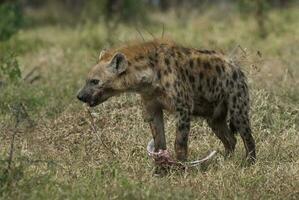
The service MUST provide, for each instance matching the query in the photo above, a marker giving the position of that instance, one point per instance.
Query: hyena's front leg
(153, 114)
(182, 132)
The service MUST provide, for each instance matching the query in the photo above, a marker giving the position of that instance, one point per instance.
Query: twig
(163, 30)
(35, 78)
(12, 142)
(30, 73)
(11, 151)
(95, 131)
(26, 115)
(244, 52)
(20, 113)
(30, 78)
(140, 34)
(233, 52)
(150, 33)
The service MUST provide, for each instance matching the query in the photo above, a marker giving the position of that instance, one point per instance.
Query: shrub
(11, 20)
(9, 68)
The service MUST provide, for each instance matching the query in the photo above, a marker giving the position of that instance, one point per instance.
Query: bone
(164, 156)
(150, 147)
(198, 162)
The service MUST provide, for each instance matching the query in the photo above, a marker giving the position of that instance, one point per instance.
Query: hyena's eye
(94, 81)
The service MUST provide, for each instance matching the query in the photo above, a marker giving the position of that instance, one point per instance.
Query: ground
(61, 157)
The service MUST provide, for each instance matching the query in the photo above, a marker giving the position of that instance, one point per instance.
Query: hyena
(184, 81)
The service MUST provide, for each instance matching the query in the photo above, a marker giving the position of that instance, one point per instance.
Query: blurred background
(263, 34)
(48, 148)
(16, 14)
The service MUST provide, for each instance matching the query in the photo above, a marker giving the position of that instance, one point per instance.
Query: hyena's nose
(81, 97)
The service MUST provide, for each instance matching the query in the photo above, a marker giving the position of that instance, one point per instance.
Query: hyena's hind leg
(219, 126)
(239, 114)
(222, 131)
(241, 123)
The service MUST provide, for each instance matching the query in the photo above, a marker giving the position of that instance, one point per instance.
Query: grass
(61, 158)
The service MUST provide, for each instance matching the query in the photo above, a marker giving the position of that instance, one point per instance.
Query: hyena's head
(105, 80)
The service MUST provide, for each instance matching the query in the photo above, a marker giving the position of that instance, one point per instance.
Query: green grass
(61, 158)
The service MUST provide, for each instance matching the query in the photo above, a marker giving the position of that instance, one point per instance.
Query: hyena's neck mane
(140, 49)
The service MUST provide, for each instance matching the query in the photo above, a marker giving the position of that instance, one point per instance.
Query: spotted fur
(184, 81)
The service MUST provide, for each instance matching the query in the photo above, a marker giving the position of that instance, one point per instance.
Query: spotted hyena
(184, 81)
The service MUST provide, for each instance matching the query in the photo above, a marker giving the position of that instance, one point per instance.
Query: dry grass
(62, 158)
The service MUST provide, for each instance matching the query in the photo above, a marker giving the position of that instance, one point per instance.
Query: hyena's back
(212, 87)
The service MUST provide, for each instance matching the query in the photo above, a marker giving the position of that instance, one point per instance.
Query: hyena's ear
(102, 53)
(118, 64)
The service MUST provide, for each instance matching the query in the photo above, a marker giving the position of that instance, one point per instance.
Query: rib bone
(163, 157)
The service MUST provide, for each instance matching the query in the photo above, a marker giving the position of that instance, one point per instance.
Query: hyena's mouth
(98, 100)
(92, 104)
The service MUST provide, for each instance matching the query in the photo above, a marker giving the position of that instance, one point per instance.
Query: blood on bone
(164, 158)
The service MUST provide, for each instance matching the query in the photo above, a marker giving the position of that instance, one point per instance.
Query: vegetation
(51, 149)
(11, 20)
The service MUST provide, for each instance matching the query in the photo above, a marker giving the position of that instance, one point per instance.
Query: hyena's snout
(91, 96)
(86, 94)
(82, 96)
